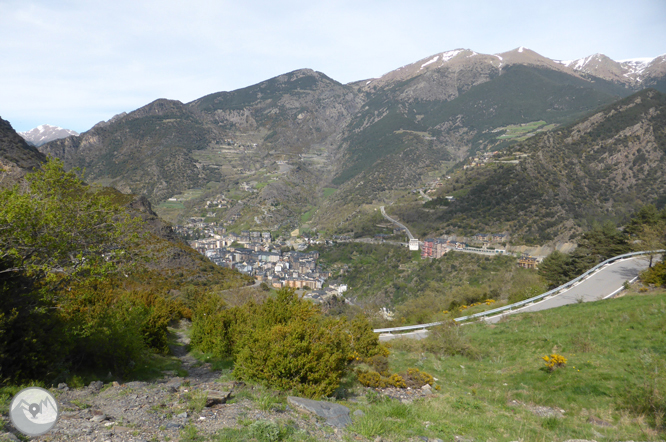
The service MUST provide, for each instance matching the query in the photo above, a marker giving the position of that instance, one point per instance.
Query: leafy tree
(57, 227)
(61, 244)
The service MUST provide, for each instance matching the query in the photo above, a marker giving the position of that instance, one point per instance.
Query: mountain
(45, 133)
(602, 167)
(364, 139)
(170, 254)
(16, 156)
(633, 73)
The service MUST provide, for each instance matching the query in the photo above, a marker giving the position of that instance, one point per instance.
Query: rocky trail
(191, 407)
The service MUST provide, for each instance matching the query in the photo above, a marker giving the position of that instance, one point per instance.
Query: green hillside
(597, 169)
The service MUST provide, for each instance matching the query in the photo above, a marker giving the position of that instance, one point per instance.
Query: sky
(74, 63)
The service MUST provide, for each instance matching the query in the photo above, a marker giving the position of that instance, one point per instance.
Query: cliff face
(16, 156)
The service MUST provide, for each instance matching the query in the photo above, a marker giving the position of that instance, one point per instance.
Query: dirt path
(168, 408)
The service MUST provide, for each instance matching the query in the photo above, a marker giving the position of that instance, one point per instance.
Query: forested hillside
(601, 168)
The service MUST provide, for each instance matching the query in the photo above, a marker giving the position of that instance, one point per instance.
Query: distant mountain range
(45, 133)
(364, 138)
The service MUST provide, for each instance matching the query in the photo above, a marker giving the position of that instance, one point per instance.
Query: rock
(579, 440)
(359, 413)
(115, 384)
(120, 429)
(173, 426)
(426, 388)
(598, 422)
(182, 415)
(96, 386)
(99, 418)
(9, 437)
(136, 384)
(335, 415)
(63, 386)
(214, 397)
(462, 439)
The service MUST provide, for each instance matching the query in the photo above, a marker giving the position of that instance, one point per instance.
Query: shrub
(413, 378)
(416, 378)
(364, 341)
(554, 361)
(308, 356)
(285, 342)
(447, 339)
(371, 379)
(380, 363)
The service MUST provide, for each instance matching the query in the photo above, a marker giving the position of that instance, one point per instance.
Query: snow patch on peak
(636, 66)
(446, 56)
(521, 49)
(645, 60)
(430, 62)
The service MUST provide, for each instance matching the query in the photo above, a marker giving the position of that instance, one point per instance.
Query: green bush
(447, 339)
(308, 356)
(285, 342)
(413, 378)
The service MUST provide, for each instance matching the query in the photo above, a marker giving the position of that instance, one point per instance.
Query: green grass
(307, 215)
(615, 351)
(520, 130)
(171, 205)
(328, 191)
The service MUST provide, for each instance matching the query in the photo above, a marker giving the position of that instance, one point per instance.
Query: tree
(651, 238)
(57, 227)
(556, 268)
(55, 230)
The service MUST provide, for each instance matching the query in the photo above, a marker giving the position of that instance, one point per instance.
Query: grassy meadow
(612, 386)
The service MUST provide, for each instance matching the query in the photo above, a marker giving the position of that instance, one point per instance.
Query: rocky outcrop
(16, 157)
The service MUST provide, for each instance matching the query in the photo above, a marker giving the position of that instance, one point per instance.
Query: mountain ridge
(44, 133)
(362, 138)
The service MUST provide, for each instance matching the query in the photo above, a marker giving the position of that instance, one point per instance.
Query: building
(528, 262)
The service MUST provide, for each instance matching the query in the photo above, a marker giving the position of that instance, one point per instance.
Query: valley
(276, 226)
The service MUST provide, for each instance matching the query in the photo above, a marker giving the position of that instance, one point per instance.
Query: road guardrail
(524, 302)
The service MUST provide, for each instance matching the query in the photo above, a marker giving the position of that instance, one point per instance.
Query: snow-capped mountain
(45, 133)
(631, 71)
(634, 74)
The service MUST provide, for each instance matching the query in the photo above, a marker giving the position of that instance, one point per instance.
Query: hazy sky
(73, 63)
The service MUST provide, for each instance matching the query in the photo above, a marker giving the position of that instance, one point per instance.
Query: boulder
(214, 397)
(335, 415)
(96, 386)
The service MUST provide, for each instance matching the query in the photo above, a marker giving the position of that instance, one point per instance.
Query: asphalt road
(397, 223)
(605, 283)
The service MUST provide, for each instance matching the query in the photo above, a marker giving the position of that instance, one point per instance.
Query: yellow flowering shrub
(414, 378)
(554, 361)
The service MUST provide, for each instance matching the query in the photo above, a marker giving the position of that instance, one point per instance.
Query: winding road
(409, 234)
(603, 284)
